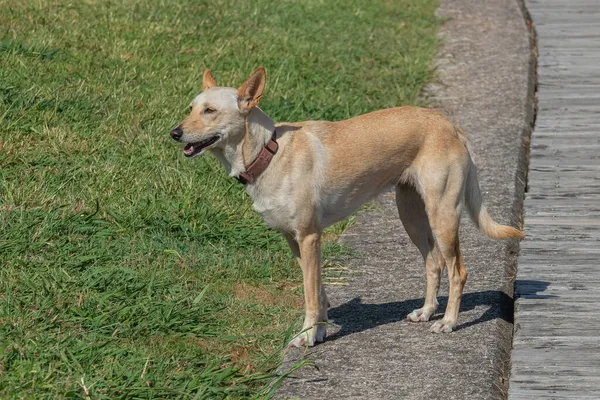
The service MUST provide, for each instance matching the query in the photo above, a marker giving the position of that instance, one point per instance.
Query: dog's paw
(419, 315)
(310, 337)
(442, 327)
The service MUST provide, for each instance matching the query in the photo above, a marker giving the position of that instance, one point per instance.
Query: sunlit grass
(126, 270)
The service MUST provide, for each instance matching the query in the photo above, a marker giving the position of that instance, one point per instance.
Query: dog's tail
(477, 210)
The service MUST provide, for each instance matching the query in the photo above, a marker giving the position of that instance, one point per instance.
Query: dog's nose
(177, 133)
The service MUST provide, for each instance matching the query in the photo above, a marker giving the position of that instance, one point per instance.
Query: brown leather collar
(261, 163)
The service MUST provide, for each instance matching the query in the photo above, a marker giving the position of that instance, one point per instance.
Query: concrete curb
(486, 87)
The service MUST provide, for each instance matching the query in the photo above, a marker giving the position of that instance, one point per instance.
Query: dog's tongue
(189, 148)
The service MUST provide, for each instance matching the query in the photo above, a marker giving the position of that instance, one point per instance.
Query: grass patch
(125, 270)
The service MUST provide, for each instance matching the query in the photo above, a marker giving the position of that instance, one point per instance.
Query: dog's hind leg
(457, 276)
(444, 205)
(414, 218)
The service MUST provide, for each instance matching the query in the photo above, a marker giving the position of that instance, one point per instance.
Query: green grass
(126, 271)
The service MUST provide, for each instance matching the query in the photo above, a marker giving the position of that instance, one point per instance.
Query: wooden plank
(556, 348)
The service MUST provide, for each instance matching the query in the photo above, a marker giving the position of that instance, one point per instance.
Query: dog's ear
(208, 80)
(251, 91)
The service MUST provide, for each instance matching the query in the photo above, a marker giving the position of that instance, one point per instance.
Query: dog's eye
(209, 110)
(191, 108)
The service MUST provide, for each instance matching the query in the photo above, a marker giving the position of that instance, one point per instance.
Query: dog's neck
(258, 131)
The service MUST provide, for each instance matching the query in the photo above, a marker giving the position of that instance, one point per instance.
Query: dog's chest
(275, 208)
(275, 214)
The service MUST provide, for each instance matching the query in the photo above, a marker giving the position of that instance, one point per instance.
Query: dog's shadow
(355, 316)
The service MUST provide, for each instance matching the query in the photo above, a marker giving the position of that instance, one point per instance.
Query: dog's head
(218, 115)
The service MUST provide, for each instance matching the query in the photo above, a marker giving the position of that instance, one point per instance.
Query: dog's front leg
(308, 248)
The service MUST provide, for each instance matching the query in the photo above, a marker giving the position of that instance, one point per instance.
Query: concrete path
(374, 353)
(557, 322)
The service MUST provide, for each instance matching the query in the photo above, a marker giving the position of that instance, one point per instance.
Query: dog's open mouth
(192, 149)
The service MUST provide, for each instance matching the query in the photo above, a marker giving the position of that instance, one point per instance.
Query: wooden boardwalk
(557, 316)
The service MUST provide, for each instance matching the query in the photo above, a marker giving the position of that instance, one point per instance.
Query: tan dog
(324, 171)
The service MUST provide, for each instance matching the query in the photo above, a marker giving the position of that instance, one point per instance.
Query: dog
(305, 176)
